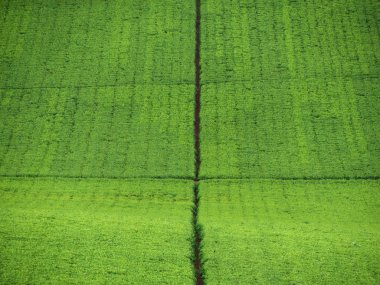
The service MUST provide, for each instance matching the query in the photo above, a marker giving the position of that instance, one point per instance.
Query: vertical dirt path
(197, 115)
(197, 229)
(197, 240)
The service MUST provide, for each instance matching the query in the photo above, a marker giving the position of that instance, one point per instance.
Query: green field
(98, 172)
(294, 95)
(96, 88)
(95, 231)
(291, 232)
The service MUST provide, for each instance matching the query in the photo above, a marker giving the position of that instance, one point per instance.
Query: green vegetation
(98, 142)
(96, 43)
(96, 132)
(91, 231)
(286, 232)
(290, 92)
(96, 88)
(290, 89)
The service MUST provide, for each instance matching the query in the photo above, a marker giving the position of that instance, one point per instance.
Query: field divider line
(188, 178)
(337, 178)
(126, 84)
(198, 260)
(197, 228)
(36, 176)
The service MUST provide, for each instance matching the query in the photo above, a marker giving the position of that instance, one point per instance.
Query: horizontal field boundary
(339, 178)
(203, 83)
(188, 178)
(31, 176)
(127, 84)
(269, 79)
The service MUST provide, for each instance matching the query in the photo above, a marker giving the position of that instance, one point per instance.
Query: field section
(95, 43)
(289, 89)
(97, 132)
(303, 232)
(95, 231)
(96, 88)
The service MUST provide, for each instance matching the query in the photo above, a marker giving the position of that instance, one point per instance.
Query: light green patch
(291, 90)
(291, 232)
(95, 231)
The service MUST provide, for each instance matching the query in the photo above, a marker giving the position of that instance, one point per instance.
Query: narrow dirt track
(197, 229)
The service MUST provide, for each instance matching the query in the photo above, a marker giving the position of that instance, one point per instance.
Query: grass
(96, 132)
(96, 43)
(289, 105)
(289, 89)
(95, 231)
(99, 142)
(96, 88)
(90, 90)
(291, 232)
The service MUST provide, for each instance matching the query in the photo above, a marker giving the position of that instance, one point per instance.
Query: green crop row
(291, 232)
(95, 231)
